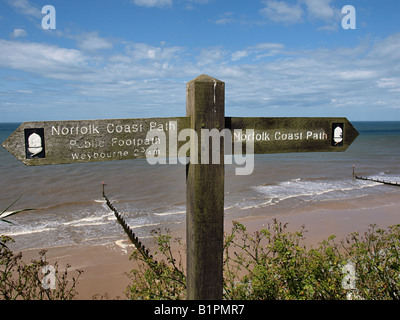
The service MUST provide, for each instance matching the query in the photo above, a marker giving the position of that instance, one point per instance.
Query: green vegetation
(153, 280)
(275, 264)
(34, 281)
(20, 281)
(4, 214)
(272, 263)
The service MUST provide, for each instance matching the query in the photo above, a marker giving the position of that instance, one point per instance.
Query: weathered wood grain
(205, 195)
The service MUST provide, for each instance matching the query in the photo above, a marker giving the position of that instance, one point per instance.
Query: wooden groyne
(391, 183)
(157, 267)
(134, 239)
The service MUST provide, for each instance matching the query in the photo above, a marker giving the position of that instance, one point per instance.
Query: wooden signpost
(61, 142)
(58, 142)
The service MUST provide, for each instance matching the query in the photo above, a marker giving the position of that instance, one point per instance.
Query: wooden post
(205, 193)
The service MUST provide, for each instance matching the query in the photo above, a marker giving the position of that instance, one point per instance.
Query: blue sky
(132, 58)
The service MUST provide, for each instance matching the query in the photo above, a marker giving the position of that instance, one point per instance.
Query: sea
(69, 208)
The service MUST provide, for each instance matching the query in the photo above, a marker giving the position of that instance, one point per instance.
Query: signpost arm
(205, 193)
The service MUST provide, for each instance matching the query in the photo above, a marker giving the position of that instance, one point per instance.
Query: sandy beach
(339, 218)
(105, 266)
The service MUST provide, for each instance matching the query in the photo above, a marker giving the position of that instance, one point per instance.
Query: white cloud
(292, 13)
(318, 82)
(260, 51)
(46, 60)
(211, 56)
(392, 84)
(267, 46)
(388, 49)
(26, 8)
(354, 75)
(225, 18)
(143, 51)
(320, 9)
(17, 33)
(281, 12)
(237, 55)
(91, 41)
(153, 3)
(242, 19)
(200, 1)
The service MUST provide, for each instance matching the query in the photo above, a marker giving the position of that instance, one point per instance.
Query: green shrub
(20, 281)
(278, 266)
(275, 264)
(154, 280)
(375, 257)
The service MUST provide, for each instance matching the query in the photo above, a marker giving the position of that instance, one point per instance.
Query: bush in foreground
(34, 281)
(275, 264)
(272, 263)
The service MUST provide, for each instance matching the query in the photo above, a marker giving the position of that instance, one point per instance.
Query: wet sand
(105, 266)
(339, 218)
